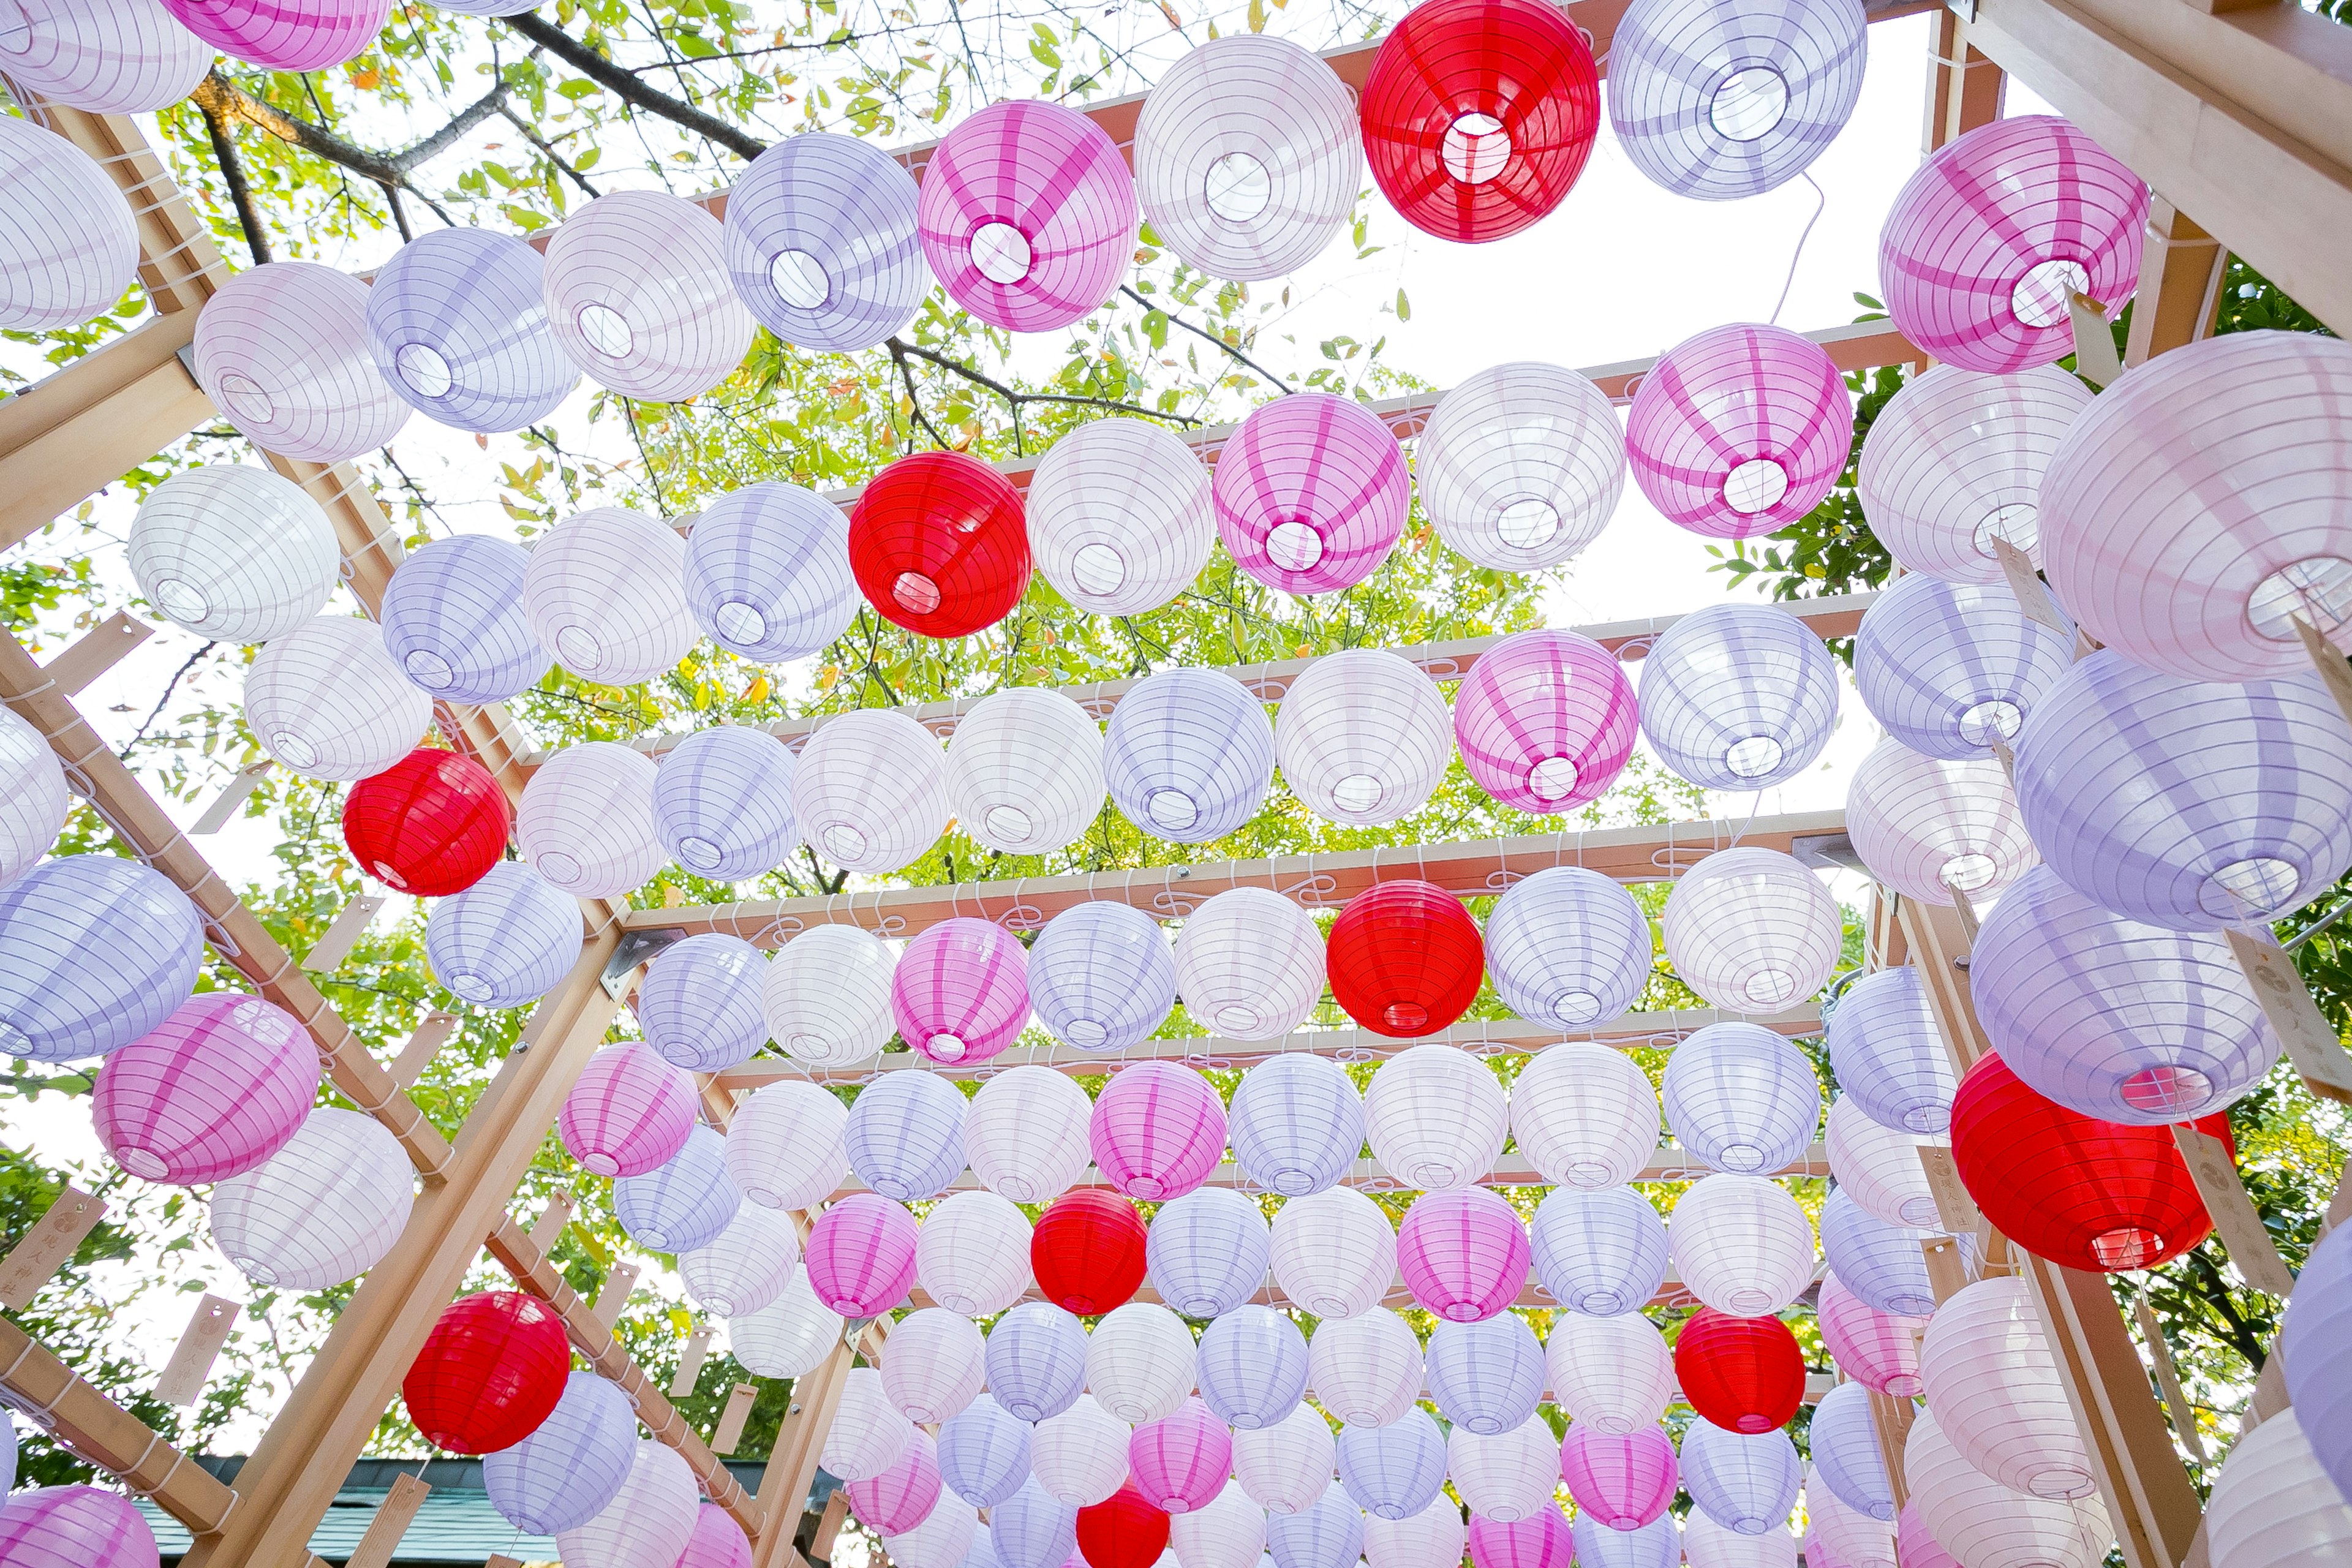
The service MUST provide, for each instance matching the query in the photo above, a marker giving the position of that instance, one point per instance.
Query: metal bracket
(1966, 10)
(1827, 852)
(636, 947)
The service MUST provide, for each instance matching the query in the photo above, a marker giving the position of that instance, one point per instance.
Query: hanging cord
(1821, 200)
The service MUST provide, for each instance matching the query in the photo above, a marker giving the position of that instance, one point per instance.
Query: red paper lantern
(2091, 1194)
(1405, 959)
(939, 544)
(432, 824)
(490, 1371)
(1087, 1251)
(1744, 1375)
(1123, 1531)
(1479, 115)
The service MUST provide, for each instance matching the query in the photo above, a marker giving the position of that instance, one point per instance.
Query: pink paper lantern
(1990, 240)
(74, 1527)
(1027, 215)
(1181, 1462)
(218, 1088)
(1543, 1540)
(1463, 1253)
(1739, 431)
(860, 1257)
(717, 1541)
(1624, 1481)
(1914, 1546)
(285, 35)
(961, 993)
(903, 1496)
(1157, 1131)
(1545, 721)
(629, 1113)
(1311, 493)
(1879, 1349)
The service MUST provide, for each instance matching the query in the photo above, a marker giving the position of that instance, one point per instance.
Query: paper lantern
(324, 1209)
(820, 243)
(233, 553)
(639, 296)
(457, 325)
(95, 951)
(1250, 1366)
(308, 37)
(1394, 1472)
(861, 1256)
(1180, 1461)
(1954, 463)
(1738, 696)
(1365, 1369)
(1612, 1374)
(1995, 1387)
(1930, 828)
(1405, 959)
(1837, 1536)
(1025, 770)
(1746, 1480)
(33, 797)
(1949, 669)
(1158, 1130)
(1624, 1481)
(629, 1113)
(941, 1541)
(1207, 1252)
(767, 566)
(1432, 1538)
(827, 994)
(1033, 1530)
(327, 702)
(1734, 100)
(1249, 964)
(214, 1090)
(1436, 1116)
(1315, 495)
(1744, 1375)
(1079, 1456)
(1707, 1544)
(789, 1337)
(1741, 1098)
(870, 791)
(1328, 1532)
(1657, 1544)
(868, 1434)
(2312, 1340)
(903, 1496)
(1027, 217)
(1123, 1530)
(1286, 1467)
(75, 1526)
(282, 350)
(1486, 1377)
(1334, 1252)
(686, 1202)
(1036, 1360)
(1140, 1362)
(509, 939)
(1739, 430)
(1024, 1133)
(784, 1145)
(1914, 1547)
(905, 1135)
(1506, 1476)
(1521, 466)
(1846, 1457)
(984, 1452)
(722, 804)
(1362, 737)
(1979, 1521)
(1229, 1532)
(491, 1370)
(1988, 243)
(1879, 1169)
(1087, 1251)
(1119, 508)
(69, 249)
(570, 1469)
(1878, 1348)
(1584, 1115)
(699, 1002)
(1296, 1123)
(2091, 1194)
(603, 591)
(1463, 1254)
(747, 1267)
(1879, 1262)
(453, 619)
(931, 1365)
(972, 1255)
(1751, 929)
(1545, 721)
(2273, 1505)
(432, 824)
(105, 57)
(1888, 1053)
(1542, 1540)
(1599, 1253)
(1189, 754)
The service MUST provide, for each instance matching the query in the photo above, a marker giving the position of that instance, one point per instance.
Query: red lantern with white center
(1087, 1251)
(491, 1370)
(939, 544)
(1743, 1375)
(1405, 959)
(432, 824)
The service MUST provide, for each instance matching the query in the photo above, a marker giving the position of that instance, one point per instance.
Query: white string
(1821, 202)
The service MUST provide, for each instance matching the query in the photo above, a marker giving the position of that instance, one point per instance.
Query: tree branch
(620, 81)
(547, 150)
(900, 348)
(240, 194)
(1206, 336)
(913, 399)
(222, 100)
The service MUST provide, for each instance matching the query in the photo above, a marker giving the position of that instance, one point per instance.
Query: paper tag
(393, 1518)
(2334, 669)
(351, 924)
(731, 1420)
(690, 1362)
(96, 651)
(1947, 1271)
(2095, 359)
(182, 1382)
(2311, 1045)
(2032, 594)
(224, 806)
(549, 1226)
(1953, 1205)
(431, 1034)
(36, 1260)
(614, 1296)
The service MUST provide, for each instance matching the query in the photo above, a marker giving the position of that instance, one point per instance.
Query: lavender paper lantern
(1521, 466)
(905, 1135)
(1949, 669)
(1311, 493)
(1846, 1455)
(457, 324)
(1485, 1377)
(861, 1256)
(573, 1467)
(1158, 1130)
(826, 997)
(784, 1145)
(1118, 510)
(1508, 1476)
(1189, 754)
(1366, 1370)
(1079, 1456)
(33, 797)
(766, 567)
(1657, 1544)
(984, 1452)
(700, 1003)
(326, 701)
(2314, 1346)
(1613, 1374)
(1879, 1262)
(103, 57)
(1987, 244)
(1625, 1481)
(629, 1113)
(1250, 1366)
(684, 1202)
(1879, 1168)
(1334, 1252)
(1740, 430)
(1286, 1467)
(68, 244)
(1545, 720)
(2272, 1505)
(1229, 1532)
(234, 553)
(1033, 1529)
(870, 791)
(1027, 215)
(1878, 1348)
(1742, 1246)
(1734, 100)
(282, 350)
(1296, 1123)
(1393, 1471)
(820, 242)
(322, 1210)
(308, 37)
(1569, 947)
(722, 803)
(1180, 1461)
(971, 1254)
(931, 1365)
(1436, 1116)
(1249, 964)
(603, 595)
(509, 939)
(1749, 1482)
(1101, 976)
(1741, 1098)
(586, 820)
(1208, 1251)
(1599, 1253)
(639, 296)
(453, 620)
(1025, 770)
(1140, 1362)
(942, 1540)
(960, 991)
(1544, 1540)
(212, 1091)
(1751, 929)
(95, 951)
(1990, 1377)
(75, 1526)
(1024, 1134)
(1888, 1053)
(1707, 1544)
(1363, 737)
(1036, 1360)
(1738, 696)
(789, 1337)
(1327, 1533)
(1930, 829)
(1463, 1254)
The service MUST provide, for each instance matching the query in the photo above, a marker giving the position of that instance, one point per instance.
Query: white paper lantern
(1249, 964)
(1739, 697)
(1230, 1533)
(748, 1266)
(1741, 1245)
(1746, 1480)
(1950, 667)
(509, 939)
(1436, 1116)
(1139, 1363)
(1929, 828)
(931, 1364)
(1365, 1369)
(870, 791)
(1252, 1366)
(1985, 1524)
(1036, 1361)
(33, 797)
(1880, 1263)
(605, 594)
(648, 1523)
(1286, 1467)
(943, 1540)
(322, 1210)
(1025, 770)
(722, 803)
(789, 1337)
(326, 701)
(971, 1254)
(868, 1433)
(905, 1135)
(1505, 1476)
(1363, 737)
(1335, 1253)
(984, 1452)
(1599, 1253)
(282, 350)
(69, 244)
(826, 997)
(1613, 1374)
(1189, 754)
(2273, 1506)
(1835, 1533)
(1567, 947)
(1119, 514)
(234, 553)
(1584, 1115)
(1296, 1123)
(570, 1469)
(1034, 1529)
(1843, 1439)
(639, 295)
(1208, 1251)
(1879, 1168)
(1393, 1471)
(1433, 1537)
(1751, 931)
(457, 325)
(453, 619)
(1024, 1133)
(586, 820)
(1520, 467)
(1741, 1098)
(1327, 1534)
(1996, 1390)
(1079, 1456)
(105, 57)
(1888, 1053)
(1657, 1544)
(1101, 976)
(1707, 1544)
(767, 570)
(784, 1145)
(1486, 1377)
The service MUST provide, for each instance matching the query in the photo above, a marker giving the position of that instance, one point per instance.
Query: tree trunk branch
(620, 82)
(223, 101)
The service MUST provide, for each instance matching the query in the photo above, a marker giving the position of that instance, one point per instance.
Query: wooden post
(97, 651)
(2180, 272)
(2168, 1378)
(791, 1464)
(1965, 90)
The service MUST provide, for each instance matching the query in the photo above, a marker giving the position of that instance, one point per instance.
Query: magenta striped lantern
(629, 1111)
(1987, 245)
(1624, 1479)
(1739, 431)
(961, 993)
(1463, 1253)
(903, 1496)
(285, 35)
(1027, 215)
(1311, 493)
(283, 349)
(74, 1527)
(108, 56)
(1541, 1540)
(1545, 721)
(1157, 1132)
(1179, 1463)
(1878, 1348)
(222, 1085)
(860, 1256)
(1915, 1546)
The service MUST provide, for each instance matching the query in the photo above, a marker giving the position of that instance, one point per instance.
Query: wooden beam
(2179, 294)
(791, 1463)
(1965, 90)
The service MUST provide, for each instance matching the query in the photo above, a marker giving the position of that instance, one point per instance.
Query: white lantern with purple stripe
(1189, 754)
(1950, 667)
(820, 242)
(1521, 466)
(767, 570)
(235, 552)
(1846, 1455)
(1208, 1251)
(1739, 697)
(1119, 515)
(1486, 1377)
(1932, 828)
(1287, 1465)
(700, 1003)
(456, 323)
(1101, 976)
(106, 56)
(1599, 1253)
(1296, 1122)
(639, 295)
(1751, 929)
(1749, 1482)
(723, 802)
(905, 1135)
(828, 996)
(282, 350)
(1252, 1366)
(1584, 1115)
(453, 620)
(1393, 1471)
(984, 1452)
(683, 1204)
(1567, 947)
(1888, 1053)
(1025, 770)
(1741, 1098)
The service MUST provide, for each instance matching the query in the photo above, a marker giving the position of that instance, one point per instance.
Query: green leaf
(1403, 307)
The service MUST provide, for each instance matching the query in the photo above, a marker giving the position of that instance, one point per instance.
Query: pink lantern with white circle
(1311, 493)
(1541, 1540)
(285, 35)
(1463, 1253)
(214, 1091)
(860, 1256)
(1157, 1131)
(629, 1113)
(961, 993)
(74, 1527)
(903, 1496)
(1545, 721)
(1624, 1479)
(1739, 430)
(1879, 1349)
(1179, 1462)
